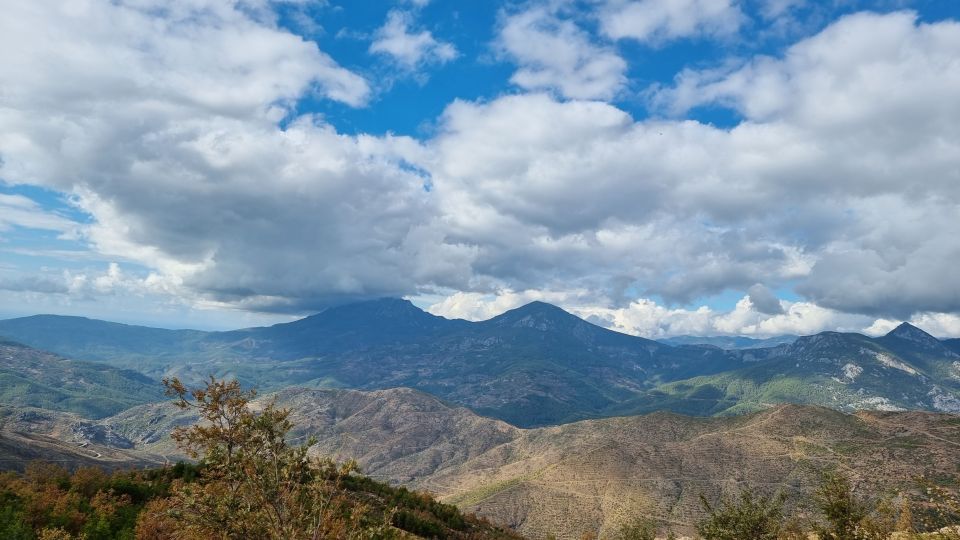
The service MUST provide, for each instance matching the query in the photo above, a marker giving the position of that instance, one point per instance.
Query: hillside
(591, 475)
(135, 497)
(536, 365)
(846, 372)
(33, 378)
(28, 434)
(94, 340)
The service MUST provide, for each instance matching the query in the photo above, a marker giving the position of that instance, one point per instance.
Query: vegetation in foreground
(248, 483)
(839, 513)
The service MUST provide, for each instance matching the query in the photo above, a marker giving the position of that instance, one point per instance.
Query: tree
(843, 511)
(754, 517)
(253, 484)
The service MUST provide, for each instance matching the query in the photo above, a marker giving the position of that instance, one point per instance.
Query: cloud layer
(842, 180)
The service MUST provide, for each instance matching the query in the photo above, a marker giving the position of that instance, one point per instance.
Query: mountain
(33, 378)
(93, 340)
(363, 325)
(591, 475)
(28, 434)
(844, 371)
(532, 366)
(729, 342)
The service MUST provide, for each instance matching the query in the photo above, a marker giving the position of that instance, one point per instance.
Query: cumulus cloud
(655, 21)
(409, 47)
(843, 179)
(179, 159)
(579, 193)
(554, 54)
(874, 92)
(474, 306)
(646, 318)
(89, 283)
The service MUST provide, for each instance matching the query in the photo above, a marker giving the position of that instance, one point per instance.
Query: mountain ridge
(534, 365)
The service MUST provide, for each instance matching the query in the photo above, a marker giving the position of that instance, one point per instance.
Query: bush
(638, 529)
(757, 518)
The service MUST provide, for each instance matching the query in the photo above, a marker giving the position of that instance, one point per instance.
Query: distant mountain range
(532, 366)
(564, 480)
(730, 342)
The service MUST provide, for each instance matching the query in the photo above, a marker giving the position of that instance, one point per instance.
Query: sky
(659, 167)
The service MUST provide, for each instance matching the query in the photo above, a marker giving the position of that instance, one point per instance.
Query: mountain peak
(912, 333)
(536, 314)
(380, 308)
(539, 306)
(907, 332)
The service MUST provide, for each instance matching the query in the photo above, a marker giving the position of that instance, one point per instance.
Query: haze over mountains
(532, 366)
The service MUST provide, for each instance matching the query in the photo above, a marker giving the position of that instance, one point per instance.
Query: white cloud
(178, 158)
(555, 54)
(579, 192)
(206, 56)
(482, 306)
(857, 207)
(873, 93)
(162, 124)
(662, 20)
(646, 318)
(20, 211)
(863, 68)
(410, 48)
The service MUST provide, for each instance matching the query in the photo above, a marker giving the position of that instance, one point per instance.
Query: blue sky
(663, 167)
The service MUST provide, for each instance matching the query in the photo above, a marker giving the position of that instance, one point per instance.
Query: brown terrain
(564, 480)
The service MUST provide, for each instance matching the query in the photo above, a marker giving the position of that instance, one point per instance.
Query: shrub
(751, 516)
